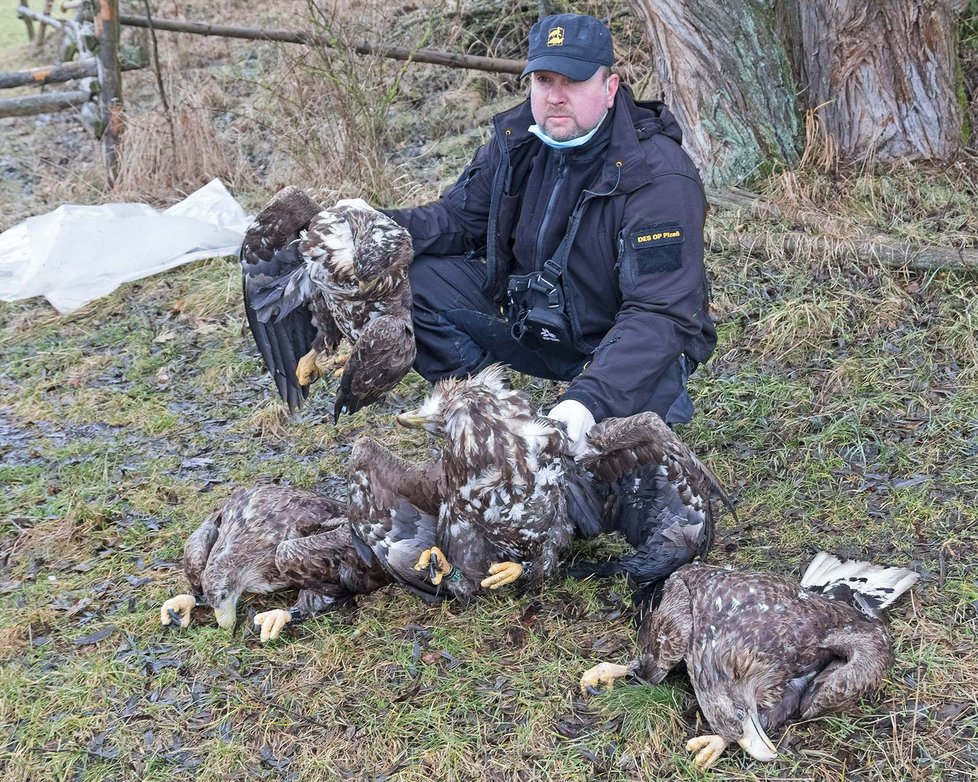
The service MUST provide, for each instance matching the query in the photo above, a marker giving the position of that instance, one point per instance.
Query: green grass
(13, 38)
(109, 465)
(839, 410)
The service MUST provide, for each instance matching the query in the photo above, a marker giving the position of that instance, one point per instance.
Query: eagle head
(731, 700)
(460, 407)
(222, 591)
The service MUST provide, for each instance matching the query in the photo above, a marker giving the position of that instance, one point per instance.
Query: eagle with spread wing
(490, 511)
(643, 481)
(315, 276)
(762, 650)
(269, 538)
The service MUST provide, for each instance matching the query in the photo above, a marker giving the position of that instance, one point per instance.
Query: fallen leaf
(96, 637)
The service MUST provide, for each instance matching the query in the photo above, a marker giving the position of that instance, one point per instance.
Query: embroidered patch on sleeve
(657, 248)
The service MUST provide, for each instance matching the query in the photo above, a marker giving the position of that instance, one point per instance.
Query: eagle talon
(707, 748)
(602, 676)
(502, 573)
(337, 364)
(272, 622)
(436, 563)
(177, 609)
(307, 371)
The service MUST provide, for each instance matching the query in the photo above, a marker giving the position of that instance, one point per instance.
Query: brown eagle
(269, 538)
(643, 481)
(762, 650)
(314, 276)
(491, 510)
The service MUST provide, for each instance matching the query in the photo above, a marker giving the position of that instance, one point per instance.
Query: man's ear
(612, 88)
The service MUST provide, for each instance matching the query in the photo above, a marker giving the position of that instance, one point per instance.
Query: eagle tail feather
(611, 567)
(867, 587)
(586, 499)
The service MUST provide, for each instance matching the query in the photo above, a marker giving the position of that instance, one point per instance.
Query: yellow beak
(411, 420)
(755, 741)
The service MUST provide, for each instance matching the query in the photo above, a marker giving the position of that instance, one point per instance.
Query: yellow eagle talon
(707, 748)
(181, 607)
(602, 675)
(502, 573)
(436, 563)
(306, 371)
(272, 622)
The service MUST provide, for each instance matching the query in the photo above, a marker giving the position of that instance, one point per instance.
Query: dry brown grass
(839, 409)
(175, 152)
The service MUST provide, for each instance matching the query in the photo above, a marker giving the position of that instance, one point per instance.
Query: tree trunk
(879, 76)
(727, 80)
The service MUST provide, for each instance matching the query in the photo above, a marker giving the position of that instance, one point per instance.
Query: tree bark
(880, 76)
(727, 80)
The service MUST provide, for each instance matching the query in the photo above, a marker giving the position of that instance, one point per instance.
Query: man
(571, 248)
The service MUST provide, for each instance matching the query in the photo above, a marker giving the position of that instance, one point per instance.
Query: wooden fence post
(39, 41)
(110, 81)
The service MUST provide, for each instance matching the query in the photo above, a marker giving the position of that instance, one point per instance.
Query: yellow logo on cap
(555, 37)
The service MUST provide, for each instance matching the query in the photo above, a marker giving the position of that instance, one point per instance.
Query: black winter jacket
(634, 283)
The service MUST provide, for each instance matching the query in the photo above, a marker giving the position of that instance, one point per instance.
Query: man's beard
(573, 133)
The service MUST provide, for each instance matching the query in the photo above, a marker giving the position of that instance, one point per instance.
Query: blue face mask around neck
(580, 141)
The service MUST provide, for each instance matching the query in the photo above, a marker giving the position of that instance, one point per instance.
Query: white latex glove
(578, 420)
(356, 203)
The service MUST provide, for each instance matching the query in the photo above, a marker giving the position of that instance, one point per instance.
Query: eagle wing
(197, 550)
(381, 356)
(393, 507)
(664, 633)
(284, 311)
(328, 563)
(658, 496)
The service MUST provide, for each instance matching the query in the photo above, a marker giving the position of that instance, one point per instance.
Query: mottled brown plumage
(393, 510)
(315, 276)
(268, 538)
(501, 488)
(762, 650)
(644, 482)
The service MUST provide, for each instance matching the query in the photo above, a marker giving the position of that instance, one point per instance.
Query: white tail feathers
(881, 585)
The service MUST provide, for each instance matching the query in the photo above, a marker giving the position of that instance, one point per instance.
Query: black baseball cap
(573, 45)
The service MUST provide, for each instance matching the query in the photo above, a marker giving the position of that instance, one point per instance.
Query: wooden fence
(100, 67)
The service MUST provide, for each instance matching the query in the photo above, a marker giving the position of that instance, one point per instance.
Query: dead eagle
(762, 650)
(492, 510)
(643, 481)
(314, 276)
(269, 538)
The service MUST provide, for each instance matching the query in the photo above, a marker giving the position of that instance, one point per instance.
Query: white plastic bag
(78, 253)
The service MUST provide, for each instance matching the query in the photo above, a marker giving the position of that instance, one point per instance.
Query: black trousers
(459, 330)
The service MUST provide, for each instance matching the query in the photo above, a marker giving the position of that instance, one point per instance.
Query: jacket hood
(651, 117)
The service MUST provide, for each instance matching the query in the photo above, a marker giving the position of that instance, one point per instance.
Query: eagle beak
(226, 616)
(411, 420)
(755, 741)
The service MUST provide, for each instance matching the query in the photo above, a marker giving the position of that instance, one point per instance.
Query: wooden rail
(42, 104)
(55, 74)
(432, 56)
